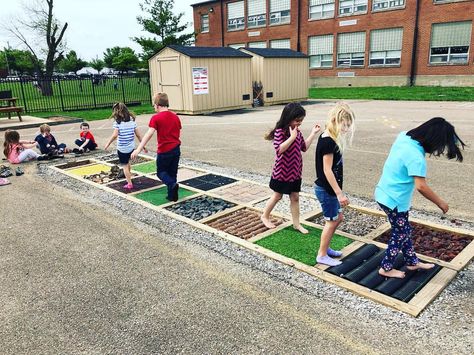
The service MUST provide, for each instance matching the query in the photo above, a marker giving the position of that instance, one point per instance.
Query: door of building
(170, 81)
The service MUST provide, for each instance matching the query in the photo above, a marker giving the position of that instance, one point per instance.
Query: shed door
(170, 81)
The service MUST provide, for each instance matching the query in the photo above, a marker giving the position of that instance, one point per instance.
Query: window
(348, 7)
(450, 42)
(351, 49)
(204, 23)
(387, 4)
(256, 13)
(319, 9)
(280, 43)
(236, 45)
(320, 51)
(235, 16)
(385, 47)
(445, 1)
(279, 12)
(261, 44)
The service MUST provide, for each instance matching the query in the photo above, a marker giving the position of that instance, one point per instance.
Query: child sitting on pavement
(86, 142)
(47, 143)
(18, 151)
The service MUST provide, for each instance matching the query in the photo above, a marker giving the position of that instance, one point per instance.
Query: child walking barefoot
(125, 129)
(18, 151)
(287, 170)
(405, 170)
(329, 176)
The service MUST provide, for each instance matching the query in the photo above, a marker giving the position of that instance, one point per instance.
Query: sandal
(4, 182)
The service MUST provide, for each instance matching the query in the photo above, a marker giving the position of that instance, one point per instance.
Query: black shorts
(285, 187)
(124, 157)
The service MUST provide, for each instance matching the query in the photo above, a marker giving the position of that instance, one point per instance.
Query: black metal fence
(70, 93)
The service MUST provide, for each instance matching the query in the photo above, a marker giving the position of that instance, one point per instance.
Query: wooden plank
(220, 214)
(433, 288)
(464, 257)
(270, 231)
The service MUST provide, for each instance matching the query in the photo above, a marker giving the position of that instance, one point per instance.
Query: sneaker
(76, 151)
(4, 182)
(19, 171)
(174, 191)
(6, 172)
(327, 260)
(334, 253)
(42, 157)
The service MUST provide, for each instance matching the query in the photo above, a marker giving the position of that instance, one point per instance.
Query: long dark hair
(121, 113)
(11, 137)
(291, 112)
(436, 136)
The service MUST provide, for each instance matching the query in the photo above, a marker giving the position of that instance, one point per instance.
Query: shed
(283, 74)
(202, 80)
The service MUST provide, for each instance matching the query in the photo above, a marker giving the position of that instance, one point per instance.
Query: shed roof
(210, 52)
(276, 53)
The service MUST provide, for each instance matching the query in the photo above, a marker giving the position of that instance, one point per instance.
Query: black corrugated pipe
(222, 23)
(415, 45)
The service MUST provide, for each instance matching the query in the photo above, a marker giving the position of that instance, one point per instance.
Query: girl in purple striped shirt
(288, 168)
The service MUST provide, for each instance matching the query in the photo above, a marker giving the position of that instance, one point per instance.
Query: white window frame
(387, 58)
(280, 17)
(325, 60)
(384, 5)
(319, 12)
(353, 7)
(252, 44)
(281, 40)
(352, 60)
(203, 28)
(237, 23)
(256, 20)
(450, 57)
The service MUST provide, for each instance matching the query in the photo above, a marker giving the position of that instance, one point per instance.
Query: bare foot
(420, 265)
(392, 273)
(267, 223)
(301, 229)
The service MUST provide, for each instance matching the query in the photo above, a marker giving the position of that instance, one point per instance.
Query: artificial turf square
(145, 168)
(158, 196)
(300, 247)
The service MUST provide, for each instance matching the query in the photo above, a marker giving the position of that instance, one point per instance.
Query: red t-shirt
(168, 128)
(87, 135)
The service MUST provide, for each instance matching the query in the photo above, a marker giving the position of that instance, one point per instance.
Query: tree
(44, 25)
(163, 24)
(97, 64)
(16, 61)
(121, 58)
(71, 62)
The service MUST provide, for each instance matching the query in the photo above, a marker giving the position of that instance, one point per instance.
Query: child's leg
(166, 165)
(127, 173)
(295, 212)
(271, 203)
(27, 154)
(78, 142)
(327, 234)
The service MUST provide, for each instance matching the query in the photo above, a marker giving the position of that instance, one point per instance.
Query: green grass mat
(300, 247)
(145, 168)
(158, 196)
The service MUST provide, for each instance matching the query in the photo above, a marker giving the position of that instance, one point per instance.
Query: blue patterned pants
(400, 239)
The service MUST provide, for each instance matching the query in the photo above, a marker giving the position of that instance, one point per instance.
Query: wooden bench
(6, 97)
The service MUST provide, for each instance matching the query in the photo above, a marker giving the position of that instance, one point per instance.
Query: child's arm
(144, 141)
(86, 141)
(28, 144)
(425, 190)
(111, 139)
(327, 168)
(316, 128)
(140, 138)
(286, 144)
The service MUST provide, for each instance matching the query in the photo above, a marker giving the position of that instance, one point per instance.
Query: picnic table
(8, 104)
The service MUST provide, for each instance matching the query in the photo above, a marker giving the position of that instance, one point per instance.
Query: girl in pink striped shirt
(288, 168)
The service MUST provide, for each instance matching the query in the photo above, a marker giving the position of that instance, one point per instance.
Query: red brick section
(429, 13)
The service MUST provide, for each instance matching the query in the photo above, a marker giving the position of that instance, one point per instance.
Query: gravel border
(451, 307)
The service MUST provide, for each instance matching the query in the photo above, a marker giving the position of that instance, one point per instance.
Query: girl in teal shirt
(405, 170)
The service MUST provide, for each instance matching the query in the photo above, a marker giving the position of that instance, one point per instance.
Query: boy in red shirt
(86, 141)
(168, 128)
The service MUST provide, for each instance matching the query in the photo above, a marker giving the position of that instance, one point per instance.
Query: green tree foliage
(18, 61)
(97, 64)
(163, 24)
(71, 62)
(121, 58)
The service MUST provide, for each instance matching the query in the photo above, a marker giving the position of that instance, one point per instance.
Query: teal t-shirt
(397, 183)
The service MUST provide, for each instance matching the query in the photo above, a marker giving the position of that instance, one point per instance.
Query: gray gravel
(307, 204)
(447, 323)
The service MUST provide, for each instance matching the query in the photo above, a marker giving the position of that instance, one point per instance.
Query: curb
(33, 125)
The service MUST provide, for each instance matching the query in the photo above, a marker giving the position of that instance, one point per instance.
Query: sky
(93, 25)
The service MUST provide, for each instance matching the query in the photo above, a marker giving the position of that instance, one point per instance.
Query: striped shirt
(288, 166)
(126, 136)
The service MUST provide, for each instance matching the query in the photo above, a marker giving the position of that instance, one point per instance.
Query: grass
(415, 93)
(145, 168)
(300, 247)
(158, 196)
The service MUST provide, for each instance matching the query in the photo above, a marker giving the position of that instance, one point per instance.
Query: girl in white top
(125, 129)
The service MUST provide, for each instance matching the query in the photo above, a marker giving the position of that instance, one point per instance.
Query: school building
(352, 42)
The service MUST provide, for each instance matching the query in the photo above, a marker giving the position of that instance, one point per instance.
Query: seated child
(47, 143)
(86, 142)
(18, 151)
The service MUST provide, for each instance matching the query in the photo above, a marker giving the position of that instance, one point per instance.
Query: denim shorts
(329, 203)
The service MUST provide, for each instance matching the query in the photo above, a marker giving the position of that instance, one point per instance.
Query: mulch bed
(443, 245)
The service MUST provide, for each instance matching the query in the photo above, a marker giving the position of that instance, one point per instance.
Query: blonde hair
(161, 99)
(341, 115)
(121, 113)
(45, 128)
